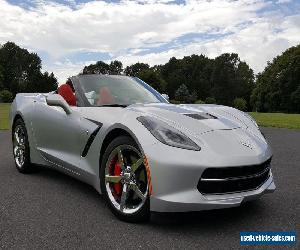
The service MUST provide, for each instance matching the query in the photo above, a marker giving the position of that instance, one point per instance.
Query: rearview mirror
(165, 96)
(58, 101)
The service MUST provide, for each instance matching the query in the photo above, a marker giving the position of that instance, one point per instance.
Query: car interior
(105, 96)
(67, 93)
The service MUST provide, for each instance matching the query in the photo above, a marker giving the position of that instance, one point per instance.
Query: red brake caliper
(117, 171)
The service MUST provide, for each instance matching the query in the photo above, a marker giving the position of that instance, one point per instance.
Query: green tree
(277, 87)
(182, 94)
(194, 71)
(6, 96)
(210, 100)
(100, 67)
(115, 68)
(231, 78)
(199, 102)
(21, 71)
(240, 103)
(295, 99)
(193, 97)
(1, 77)
(153, 78)
(97, 68)
(136, 69)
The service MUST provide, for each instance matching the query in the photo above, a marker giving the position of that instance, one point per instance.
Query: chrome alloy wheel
(126, 179)
(19, 145)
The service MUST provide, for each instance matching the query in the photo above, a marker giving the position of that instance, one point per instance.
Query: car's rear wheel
(21, 149)
(124, 180)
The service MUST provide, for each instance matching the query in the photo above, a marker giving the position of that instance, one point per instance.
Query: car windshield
(108, 90)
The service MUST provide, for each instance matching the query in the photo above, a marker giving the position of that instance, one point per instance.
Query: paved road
(48, 210)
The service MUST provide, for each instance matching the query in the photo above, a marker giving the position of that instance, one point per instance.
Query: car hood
(213, 126)
(196, 119)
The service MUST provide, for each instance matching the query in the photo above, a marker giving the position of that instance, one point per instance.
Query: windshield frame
(82, 100)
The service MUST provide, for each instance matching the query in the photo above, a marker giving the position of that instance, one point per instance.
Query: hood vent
(201, 116)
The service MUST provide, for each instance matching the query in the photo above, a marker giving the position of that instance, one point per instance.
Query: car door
(57, 135)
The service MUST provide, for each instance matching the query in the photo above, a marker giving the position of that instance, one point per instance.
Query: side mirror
(58, 101)
(165, 96)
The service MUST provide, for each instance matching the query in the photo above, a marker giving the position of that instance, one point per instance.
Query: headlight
(167, 135)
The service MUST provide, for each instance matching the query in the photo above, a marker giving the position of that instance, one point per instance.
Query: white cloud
(114, 28)
(256, 44)
(66, 68)
(283, 1)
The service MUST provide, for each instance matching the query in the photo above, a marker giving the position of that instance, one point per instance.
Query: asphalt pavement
(49, 210)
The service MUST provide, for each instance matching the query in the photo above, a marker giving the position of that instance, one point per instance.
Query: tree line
(194, 78)
(225, 79)
(20, 71)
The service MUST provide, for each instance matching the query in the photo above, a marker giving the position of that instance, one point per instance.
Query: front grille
(233, 179)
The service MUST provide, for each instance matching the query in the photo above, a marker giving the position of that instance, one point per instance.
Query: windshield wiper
(114, 105)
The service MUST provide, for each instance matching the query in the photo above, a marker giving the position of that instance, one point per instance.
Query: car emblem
(247, 144)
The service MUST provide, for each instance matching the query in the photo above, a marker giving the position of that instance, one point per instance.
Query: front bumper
(193, 200)
(175, 174)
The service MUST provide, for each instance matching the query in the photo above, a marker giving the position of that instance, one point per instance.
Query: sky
(69, 34)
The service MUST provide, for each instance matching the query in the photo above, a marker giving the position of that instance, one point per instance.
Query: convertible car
(142, 153)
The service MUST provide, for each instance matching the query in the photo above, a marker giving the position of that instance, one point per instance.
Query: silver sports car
(142, 153)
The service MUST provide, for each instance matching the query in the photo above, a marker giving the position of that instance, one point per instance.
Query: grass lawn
(4, 111)
(279, 120)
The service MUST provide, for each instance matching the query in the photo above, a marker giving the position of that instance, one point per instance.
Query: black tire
(143, 214)
(26, 167)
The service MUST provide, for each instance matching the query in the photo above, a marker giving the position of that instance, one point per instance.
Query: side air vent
(201, 116)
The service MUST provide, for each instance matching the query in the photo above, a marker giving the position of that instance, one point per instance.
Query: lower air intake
(233, 179)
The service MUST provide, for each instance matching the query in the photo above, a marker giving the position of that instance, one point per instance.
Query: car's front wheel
(124, 180)
(21, 149)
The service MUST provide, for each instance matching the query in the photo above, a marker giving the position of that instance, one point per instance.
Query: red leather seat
(66, 92)
(105, 96)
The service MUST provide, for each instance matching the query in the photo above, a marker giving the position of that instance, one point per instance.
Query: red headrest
(66, 92)
(105, 96)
